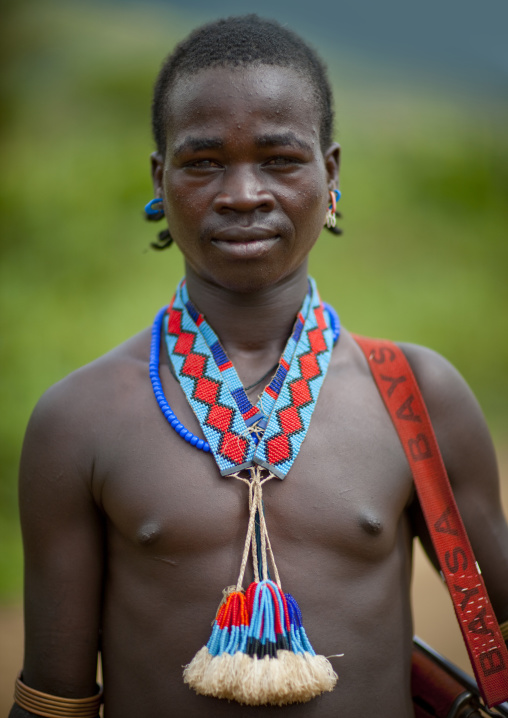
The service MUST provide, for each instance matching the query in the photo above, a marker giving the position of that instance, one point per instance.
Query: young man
(131, 533)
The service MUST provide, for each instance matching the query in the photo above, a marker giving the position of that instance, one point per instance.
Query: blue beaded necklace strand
(168, 412)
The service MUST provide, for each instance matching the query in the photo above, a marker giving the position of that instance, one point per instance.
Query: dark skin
(128, 527)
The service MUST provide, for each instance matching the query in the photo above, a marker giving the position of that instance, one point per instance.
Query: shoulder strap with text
(480, 630)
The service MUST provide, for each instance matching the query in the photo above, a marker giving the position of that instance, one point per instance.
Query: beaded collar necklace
(190, 341)
(258, 652)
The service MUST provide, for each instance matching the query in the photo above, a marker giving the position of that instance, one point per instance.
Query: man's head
(245, 162)
(239, 42)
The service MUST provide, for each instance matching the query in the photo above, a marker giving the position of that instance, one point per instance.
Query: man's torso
(175, 532)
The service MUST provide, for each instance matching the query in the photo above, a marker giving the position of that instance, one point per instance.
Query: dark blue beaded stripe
(298, 330)
(278, 379)
(219, 354)
(241, 399)
(192, 310)
(168, 412)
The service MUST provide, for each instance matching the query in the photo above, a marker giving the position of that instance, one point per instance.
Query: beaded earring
(154, 211)
(332, 214)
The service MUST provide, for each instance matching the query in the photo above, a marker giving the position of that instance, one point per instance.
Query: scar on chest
(148, 535)
(371, 525)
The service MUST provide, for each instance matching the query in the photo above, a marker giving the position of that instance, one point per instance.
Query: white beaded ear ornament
(331, 212)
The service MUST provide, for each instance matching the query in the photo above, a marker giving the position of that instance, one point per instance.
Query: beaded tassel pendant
(258, 652)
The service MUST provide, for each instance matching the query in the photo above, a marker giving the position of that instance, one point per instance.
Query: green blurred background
(424, 181)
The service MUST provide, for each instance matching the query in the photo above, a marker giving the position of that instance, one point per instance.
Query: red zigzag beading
(232, 445)
(279, 448)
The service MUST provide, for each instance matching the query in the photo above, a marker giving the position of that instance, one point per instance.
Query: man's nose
(243, 189)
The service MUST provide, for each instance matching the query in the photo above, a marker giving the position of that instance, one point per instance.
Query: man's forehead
(206, 102)
(256, 84)
(236, 74)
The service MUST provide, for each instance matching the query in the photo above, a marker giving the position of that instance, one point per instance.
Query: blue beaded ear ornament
(154, 211)
(332, 214)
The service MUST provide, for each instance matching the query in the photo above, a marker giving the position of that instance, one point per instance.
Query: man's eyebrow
(283, 139)
(196, 144)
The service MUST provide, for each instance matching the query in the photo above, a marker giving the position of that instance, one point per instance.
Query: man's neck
(253, 327)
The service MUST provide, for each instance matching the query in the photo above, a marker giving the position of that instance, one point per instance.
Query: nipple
(371, 525)
(148, 533)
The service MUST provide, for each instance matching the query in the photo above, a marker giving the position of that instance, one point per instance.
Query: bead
(157, 386)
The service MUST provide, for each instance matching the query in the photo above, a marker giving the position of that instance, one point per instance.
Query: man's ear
(157, 165)
(332, 164)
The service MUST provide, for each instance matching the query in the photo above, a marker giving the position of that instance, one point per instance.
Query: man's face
(244, 181)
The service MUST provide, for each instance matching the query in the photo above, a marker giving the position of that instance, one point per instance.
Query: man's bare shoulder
(458, 421)
(75, 413)
(99, 380)
(445, 391)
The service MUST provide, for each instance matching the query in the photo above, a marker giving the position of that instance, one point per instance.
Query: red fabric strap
(480, 630)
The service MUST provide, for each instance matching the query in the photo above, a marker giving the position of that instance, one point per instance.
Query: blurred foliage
(425, 184)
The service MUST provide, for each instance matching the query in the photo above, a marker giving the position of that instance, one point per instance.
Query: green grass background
(425, 188)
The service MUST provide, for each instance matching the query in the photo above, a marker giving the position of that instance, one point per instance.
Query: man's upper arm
(471, 464)
(63, 543)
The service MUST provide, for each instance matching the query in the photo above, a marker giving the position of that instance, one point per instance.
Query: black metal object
(459, 709)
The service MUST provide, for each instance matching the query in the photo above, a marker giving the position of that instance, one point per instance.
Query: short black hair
(236, 42)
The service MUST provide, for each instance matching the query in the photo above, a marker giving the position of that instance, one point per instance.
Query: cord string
(258, 477)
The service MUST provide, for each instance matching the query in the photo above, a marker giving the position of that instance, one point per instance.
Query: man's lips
(251, 233)
(245, 242)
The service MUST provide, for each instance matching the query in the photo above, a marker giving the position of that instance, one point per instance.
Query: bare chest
(345, 494)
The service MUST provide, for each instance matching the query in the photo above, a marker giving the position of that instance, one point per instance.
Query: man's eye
(203, 164)
(282, 161)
